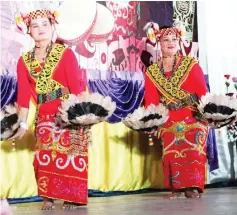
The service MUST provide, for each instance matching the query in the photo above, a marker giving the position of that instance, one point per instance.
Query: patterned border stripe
(170, 88)
(44, 82)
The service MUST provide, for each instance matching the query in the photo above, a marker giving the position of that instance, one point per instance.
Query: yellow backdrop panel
(119, 160)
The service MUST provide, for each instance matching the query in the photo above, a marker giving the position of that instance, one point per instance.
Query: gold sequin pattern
(170, 88)
(80, 140)
(80, 137)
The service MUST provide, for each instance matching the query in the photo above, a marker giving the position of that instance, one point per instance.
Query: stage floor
(216, 201)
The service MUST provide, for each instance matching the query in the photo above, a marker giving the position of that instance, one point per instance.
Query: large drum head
(76, 20)
(104, 25)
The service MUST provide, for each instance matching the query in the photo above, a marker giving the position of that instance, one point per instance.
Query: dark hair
(50, 21)
(164, 27)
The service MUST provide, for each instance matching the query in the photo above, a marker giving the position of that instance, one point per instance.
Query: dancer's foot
(189, 193)
(71, 205)
(200, 195)
(173, 195)
(48, 204)
(200, 192)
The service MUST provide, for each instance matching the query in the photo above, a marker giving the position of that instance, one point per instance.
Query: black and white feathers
(147, 119)
(219, 110)
(86, 109)
(10, 121)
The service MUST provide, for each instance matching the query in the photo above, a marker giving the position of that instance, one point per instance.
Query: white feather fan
(9, 121)
(219, 110)
(86, 109)
(147, 119)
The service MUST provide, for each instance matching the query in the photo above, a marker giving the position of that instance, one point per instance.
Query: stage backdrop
(119, 159)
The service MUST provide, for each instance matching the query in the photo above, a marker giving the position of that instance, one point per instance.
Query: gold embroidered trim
(79, 140)
(181, 154)
(31, 65)
(170, 88)
(43, 183)
(179, 130)
(44, 82)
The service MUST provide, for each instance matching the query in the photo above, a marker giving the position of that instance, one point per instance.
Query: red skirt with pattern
(61, 161)
(184, 154)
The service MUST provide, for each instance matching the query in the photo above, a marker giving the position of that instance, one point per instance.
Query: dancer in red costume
(178, 82)
(50, 73)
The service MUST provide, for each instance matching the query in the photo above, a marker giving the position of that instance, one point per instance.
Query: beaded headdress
(154, 33)
(32, 11)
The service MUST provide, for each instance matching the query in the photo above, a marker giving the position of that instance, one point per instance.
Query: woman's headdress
(154, 33)
(78, 20)
(33, 10)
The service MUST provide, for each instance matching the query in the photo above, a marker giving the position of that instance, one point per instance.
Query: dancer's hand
(153, 132)
(19, 134)
(150, 132)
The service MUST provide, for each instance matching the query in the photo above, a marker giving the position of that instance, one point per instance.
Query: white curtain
(217, 32)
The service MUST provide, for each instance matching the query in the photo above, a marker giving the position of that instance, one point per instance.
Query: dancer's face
(169, 44)
(41, 29)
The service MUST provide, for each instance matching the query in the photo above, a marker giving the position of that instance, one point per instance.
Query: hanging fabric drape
(124, 87)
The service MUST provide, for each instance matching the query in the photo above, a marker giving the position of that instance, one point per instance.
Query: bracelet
(24, 125)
